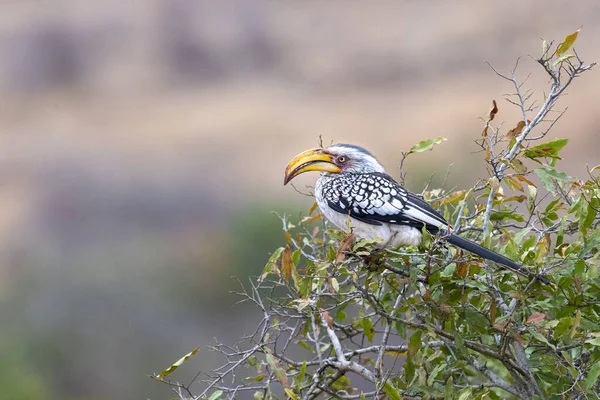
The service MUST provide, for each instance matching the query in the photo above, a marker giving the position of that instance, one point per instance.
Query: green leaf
(433, 374)
(593, 375)
(591, 241)
(449, 388)
(177, 363)
(548, 174)
(567, 43)
(257, 378)
(291, 394)
(305, 346)
(426, 145)
(465, 394)
(368, 330)
(302, 371)
(562, 58)
(216, 395)
(391, 392)
(414, 344)
(594, 341)
(364, 243)
(565, 324)
(550, 149)
(475, 320)
(592, 211)
(272, 264)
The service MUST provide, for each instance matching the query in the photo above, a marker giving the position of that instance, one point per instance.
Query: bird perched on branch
(353, 185)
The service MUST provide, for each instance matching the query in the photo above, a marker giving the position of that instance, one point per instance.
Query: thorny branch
(500, 162)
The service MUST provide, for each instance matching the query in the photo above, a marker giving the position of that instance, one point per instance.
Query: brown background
(143, 147)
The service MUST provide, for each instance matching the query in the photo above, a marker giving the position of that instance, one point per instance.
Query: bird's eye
(341, 159)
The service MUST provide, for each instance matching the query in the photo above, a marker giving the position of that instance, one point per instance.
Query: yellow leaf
(286, 262)
(493, 312)
(567, 43)
(518, 166)
(312, 208)
(514, 183)
(519, 199)
(177, 364)
(395, 353)
(516, 131)
(454, 197)
(335, 285)
(290, 393)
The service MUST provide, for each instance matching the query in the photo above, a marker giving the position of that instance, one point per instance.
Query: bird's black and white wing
(375, 198)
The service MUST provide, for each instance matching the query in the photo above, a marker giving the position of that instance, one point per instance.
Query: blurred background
(144, 142)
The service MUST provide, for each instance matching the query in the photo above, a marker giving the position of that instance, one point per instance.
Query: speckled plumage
(377, 207)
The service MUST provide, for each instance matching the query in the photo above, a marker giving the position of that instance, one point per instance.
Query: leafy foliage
(344, 320)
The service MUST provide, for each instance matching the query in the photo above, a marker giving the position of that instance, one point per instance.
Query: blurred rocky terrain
(143, 146)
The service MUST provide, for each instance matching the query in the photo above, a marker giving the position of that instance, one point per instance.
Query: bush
(343, 321)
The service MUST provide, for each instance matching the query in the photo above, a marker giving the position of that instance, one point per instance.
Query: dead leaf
(461, 269)
(493, 111)
(276, 368)
(345, 245)
(312, 208)
(518, 337)
(576, 323)
(328, 319)
(501, 325)
(310, 220)
(491, 115)
(493, 311)
(286, 262)
(523, 179)
(315, 231)
(536, 318)
(516, 131)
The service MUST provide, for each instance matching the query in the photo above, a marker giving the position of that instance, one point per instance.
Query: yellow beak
(310, 160)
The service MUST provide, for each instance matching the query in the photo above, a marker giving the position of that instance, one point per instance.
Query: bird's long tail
(488, 254)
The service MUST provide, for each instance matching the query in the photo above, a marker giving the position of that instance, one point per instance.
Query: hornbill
(353, 185)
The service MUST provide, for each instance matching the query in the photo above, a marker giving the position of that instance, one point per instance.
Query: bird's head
(336, 159)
